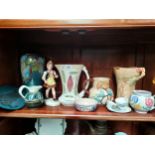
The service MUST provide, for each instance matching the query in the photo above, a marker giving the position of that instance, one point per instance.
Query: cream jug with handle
(32, 96)
(70, 75)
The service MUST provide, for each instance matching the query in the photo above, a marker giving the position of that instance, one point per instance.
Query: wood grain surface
(71, 113)
(75, 23)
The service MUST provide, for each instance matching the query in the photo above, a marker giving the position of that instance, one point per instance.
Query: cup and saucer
(121, 105)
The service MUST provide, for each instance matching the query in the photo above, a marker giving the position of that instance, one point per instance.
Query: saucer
(114, 108)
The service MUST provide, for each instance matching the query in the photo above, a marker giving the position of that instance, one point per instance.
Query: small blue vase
(32, 67)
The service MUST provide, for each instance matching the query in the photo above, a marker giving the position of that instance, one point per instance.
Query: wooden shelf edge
(76, 23)
(121, 117)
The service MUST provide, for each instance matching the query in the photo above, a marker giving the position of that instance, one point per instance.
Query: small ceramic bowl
(122, 102)
(86, 104)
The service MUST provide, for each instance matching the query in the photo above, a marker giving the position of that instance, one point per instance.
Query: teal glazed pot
(32, 67)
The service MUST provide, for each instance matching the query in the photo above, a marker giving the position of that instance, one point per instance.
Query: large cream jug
(70, 75)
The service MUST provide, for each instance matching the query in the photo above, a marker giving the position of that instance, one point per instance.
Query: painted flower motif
(149, 102)
(134, 99)
(70, 83)
(137, 107)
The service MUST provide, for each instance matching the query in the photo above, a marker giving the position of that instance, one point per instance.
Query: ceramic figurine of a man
(49, 77)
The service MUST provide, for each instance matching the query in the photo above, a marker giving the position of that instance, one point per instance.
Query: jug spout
(34, 89)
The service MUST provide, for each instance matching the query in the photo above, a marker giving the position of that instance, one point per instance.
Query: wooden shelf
(77, 23)
(70, 113)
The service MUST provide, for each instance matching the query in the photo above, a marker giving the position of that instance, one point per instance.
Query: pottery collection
(36, 79)
(32, 70)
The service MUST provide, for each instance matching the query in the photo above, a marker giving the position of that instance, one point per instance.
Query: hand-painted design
(146, 108)
(100, 95)
(70, 83)
(32, 69)
(134, 99)
(137, 107)
(149, 102)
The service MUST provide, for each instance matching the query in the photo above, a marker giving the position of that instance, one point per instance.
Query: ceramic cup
(122, 102)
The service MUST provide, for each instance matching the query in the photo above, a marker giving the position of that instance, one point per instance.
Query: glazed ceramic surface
(70, 75)
(33, 97)
(112, 106)
(31, 69)
(46, 126)
(120, 133)
(122, 101)
(142, 101)
(100, 90)
(126, 78)
(85, 104)
(51, 102)
(10, 99)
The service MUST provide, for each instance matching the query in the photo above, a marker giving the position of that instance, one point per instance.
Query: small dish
(86, 104)
(115, 108)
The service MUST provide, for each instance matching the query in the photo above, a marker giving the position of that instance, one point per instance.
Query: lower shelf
(70, 113)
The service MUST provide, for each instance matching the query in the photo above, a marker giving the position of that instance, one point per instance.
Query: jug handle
(20, 91)
(82, 93)
(154, 103)
(142, 73)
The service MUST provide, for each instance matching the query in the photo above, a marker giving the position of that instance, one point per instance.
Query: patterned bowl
(86, 104)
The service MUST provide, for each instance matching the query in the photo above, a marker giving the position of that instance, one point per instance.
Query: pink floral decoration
(149, 102)
(70, 83)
